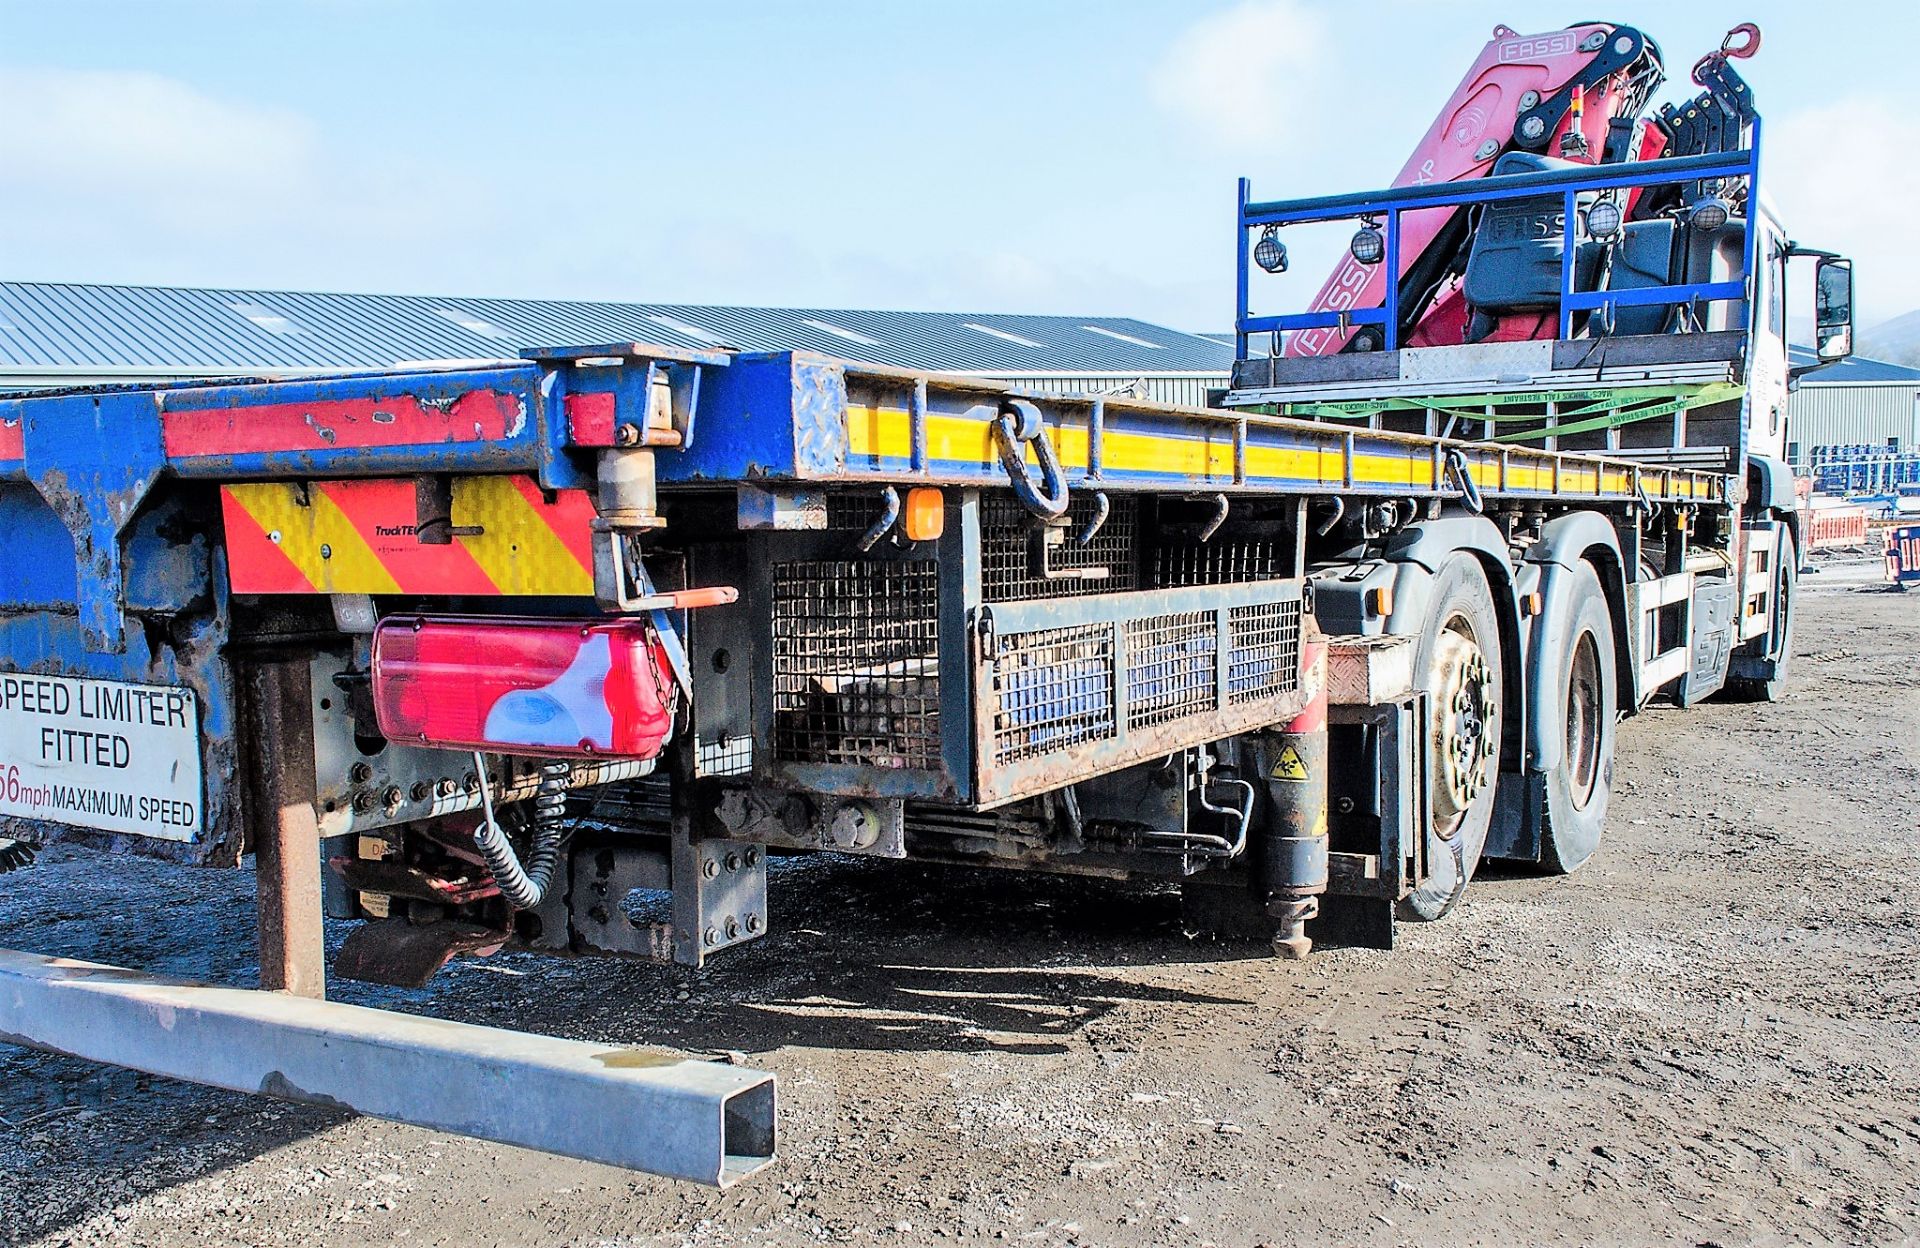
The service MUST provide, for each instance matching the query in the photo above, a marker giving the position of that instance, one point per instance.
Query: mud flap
(1516, 831)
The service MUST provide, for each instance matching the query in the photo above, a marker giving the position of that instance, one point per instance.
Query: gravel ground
(1706, 1036)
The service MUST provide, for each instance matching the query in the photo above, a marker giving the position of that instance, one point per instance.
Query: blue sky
(1069, 157)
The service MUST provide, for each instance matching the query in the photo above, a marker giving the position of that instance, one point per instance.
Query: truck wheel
(1457, 663)
(1785, 584)
(1577, 788)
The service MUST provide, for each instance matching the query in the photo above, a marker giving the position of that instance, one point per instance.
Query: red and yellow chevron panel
(357, 537)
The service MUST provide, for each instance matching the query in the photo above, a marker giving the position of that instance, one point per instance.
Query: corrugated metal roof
(48, 325)
(1855, 370)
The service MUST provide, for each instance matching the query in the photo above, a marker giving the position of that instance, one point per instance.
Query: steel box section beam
(642, 1109)
(460, 421)
(807, 419)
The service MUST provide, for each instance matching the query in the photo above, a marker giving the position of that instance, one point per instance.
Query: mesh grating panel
(1170, 666)
(728, 756)
(1265, 654)
(1007, 573)
(1220, 563)
(853, 512)
(1052, 688)
(856, 663)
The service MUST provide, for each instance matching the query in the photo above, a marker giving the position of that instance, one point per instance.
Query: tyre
(1457, 661)
(1577, 787)
(1785, 584)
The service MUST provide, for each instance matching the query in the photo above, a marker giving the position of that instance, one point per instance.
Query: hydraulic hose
(525, 886)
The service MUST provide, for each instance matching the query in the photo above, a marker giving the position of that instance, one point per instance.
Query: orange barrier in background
(1830, 528)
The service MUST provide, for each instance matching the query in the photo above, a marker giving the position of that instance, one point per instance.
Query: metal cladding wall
(1827, 415)
(1189, 389)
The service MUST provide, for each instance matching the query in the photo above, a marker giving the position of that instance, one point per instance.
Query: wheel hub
(1465, 725)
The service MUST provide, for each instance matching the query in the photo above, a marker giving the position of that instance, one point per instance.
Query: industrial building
(55, 334)
(1857, 402)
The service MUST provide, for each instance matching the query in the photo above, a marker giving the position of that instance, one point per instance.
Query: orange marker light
(926, 515)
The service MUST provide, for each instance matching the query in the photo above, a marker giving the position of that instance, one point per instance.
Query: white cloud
(1249, 74)
(1841, 175)
(100, 127)
(133, 176)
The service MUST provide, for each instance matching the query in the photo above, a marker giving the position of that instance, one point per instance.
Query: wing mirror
(1833, 309)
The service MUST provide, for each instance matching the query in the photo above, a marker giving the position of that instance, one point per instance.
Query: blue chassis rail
(1569, 184)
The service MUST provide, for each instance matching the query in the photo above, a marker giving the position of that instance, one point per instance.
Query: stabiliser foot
(1290, 939)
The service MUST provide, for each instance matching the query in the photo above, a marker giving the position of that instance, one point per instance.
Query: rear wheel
(1579, 785)
(1457, 663)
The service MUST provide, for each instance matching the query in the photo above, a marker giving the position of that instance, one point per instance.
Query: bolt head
(713, 936)
(733, 862)
(753, 923)
(710, 868)
(733, 928)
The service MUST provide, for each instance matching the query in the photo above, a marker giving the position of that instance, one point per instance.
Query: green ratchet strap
(1598, 407)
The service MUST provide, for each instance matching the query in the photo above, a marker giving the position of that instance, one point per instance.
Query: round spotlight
(1270, 253)
(1708, 213)
(1603, 219)
(1369, 245)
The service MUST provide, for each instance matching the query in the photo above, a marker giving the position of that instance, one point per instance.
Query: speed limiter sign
(101, 754)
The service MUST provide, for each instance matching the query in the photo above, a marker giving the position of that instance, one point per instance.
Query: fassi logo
(1535, 47)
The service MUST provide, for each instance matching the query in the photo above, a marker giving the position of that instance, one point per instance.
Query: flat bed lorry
(503, 654)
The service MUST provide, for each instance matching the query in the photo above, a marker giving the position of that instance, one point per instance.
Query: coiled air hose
(524, 886)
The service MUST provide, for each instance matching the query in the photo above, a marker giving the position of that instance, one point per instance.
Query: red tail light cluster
(523, 686)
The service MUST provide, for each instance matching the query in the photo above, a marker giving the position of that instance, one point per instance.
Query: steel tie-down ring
(1048, 500)
(1463, 477)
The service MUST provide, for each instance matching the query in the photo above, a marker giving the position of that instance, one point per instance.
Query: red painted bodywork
(331, 424)
(590, 419)
(1484, 108)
